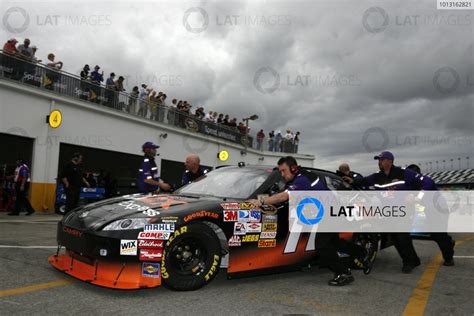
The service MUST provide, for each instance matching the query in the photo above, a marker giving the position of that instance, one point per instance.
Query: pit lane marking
(421, 293)
(35, 287)
(464, 257)
(29, 247)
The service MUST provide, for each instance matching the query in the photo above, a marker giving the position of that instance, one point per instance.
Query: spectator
(132, 101)
(143, 96)
(110, 90)
(152, 103)
(296, 141)
(118, 89)
(220, 119)
(242, 128)
(199, 113)
(52, 75)
(233, 123)
(209, 117)
(26, 53)
(8, 62)
(214, 117)
(85, 85)
(271, 139)
(226, 119)
(96, 78)
(289, 135)
(278, 138)
(171, 115)
(260, 137)
(35, 59)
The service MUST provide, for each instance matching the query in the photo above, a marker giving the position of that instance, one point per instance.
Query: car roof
(264, 167)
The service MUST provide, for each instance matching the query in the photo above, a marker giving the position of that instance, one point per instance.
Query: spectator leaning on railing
(260, 138)
(271, 139)
(110, 92)
(143, 96)
(132, 101)
(52, 77)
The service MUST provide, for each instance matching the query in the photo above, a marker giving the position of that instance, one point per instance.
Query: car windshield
(235, 183)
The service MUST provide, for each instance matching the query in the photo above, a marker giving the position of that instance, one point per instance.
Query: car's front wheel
(191, 258)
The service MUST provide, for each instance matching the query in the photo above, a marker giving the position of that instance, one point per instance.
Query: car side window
(336, 184)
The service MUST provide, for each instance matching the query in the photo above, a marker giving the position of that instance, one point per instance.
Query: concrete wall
(23, 111)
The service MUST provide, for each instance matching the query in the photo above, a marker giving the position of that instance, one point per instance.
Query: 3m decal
(231, 216)
(128, 247)
(250, 238)
(151, 270)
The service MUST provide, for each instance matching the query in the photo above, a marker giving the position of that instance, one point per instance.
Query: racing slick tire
(191, 257)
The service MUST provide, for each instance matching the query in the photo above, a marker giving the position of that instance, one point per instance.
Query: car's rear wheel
(191, 258)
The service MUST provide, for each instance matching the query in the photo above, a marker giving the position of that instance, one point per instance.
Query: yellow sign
(55, 119)
(223, 155)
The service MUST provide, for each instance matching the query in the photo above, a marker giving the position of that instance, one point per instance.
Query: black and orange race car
(182, 240)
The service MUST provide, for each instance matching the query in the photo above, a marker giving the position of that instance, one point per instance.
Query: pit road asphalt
(30, 286)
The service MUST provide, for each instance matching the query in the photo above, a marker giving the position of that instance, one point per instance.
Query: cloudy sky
(354, 77)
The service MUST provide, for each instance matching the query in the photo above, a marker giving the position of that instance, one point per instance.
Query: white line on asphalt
(29, 247)
(465, 257)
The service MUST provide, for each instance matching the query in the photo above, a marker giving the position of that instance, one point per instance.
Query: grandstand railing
(66, 84)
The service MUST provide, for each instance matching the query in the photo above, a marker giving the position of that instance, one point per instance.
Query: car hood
(95, 216)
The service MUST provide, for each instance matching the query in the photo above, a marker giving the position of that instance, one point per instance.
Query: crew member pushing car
(149, 180)
(444, 241)
(391, 177)
(327, 244)
(72, 179)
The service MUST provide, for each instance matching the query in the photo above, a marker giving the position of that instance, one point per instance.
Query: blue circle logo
(310, 221)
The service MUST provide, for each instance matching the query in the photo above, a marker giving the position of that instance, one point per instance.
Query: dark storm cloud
(353, 77)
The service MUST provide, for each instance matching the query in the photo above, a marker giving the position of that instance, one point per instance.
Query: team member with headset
(149, 180)
(327, 244)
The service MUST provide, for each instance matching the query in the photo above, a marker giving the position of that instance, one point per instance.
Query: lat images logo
(310, 202)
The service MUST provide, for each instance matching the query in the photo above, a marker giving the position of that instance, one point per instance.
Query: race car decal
(253, 227)
(269, 218)
(235, 241)
(169, 228)
(231, 216)
(201, 214)
(154, 235)
(268, 235)
(151, 270)
(151, 254)
(269, 227)
(267, 243)
(240, 228)
(250, 238)
(150, 244)
(128, 247)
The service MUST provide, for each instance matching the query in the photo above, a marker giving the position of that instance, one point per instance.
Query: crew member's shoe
(408, 267)
(369, 259)
(448, 262)
(30, 212)
(342, 279)
(13, 214)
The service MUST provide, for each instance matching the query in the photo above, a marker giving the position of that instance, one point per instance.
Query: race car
(182, 240)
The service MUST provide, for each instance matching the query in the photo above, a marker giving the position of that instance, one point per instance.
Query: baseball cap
(384, 155)
(150, 145)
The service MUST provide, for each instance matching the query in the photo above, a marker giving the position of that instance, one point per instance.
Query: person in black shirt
(194, 170)
(72, 179)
